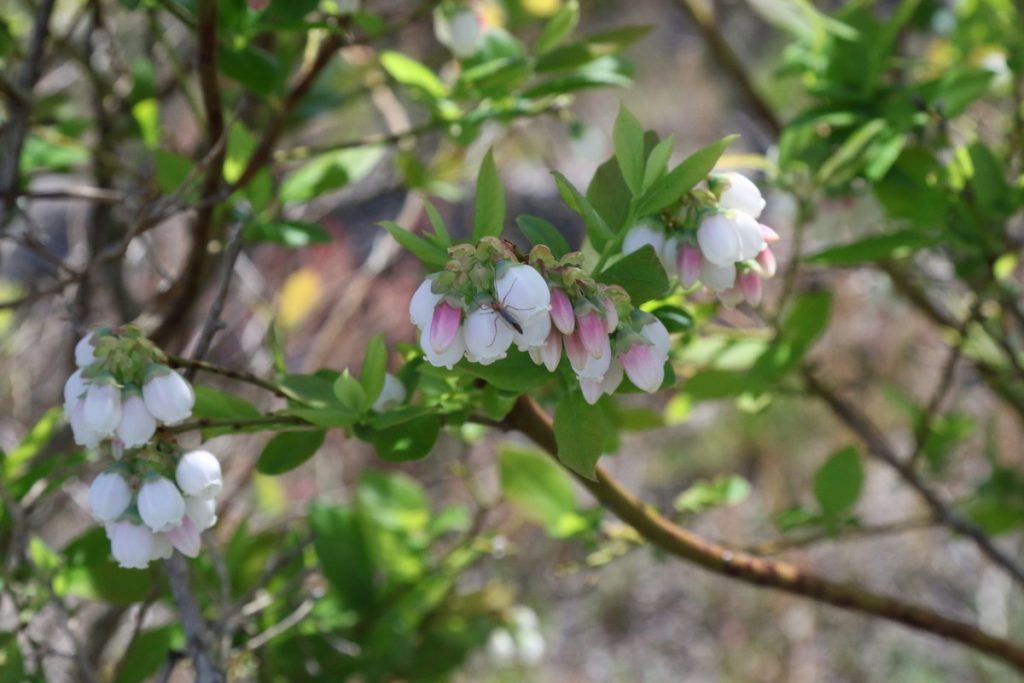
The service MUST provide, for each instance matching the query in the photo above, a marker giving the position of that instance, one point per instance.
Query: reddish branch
(529, 419)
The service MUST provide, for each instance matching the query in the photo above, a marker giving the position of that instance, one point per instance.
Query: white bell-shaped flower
(585, 363)
(391, 396)
(109, 497)
(550, 354)
(160, 504)
(83, 435)
(535, 333)
(137, 425)
(85, 352)
(423, 303)
(162, 548)
(751, 237)
(75, 387)
(719, 240)
(452, 355)
(718, 278)
(642, 234)
(487, 336)
(656, 333)
(168, 397)
(198, 474)
(740, 193)
(524, 292)
(185, 537)
(460, 31)
(133, 545)
(102, 408)
(202, 511)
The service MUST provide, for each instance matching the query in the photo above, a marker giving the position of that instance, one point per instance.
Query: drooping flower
(642, 234)
(444, 326)
(751, 236)
(750, 285)
(718, 278)
(550, 353)
(202, 511)
(422, 304)
(160, 504)
(643, 366)
(102, 407)
(198, 474)
(74, 388)
(137, 425)
(766, 260)
(83, 435)
(585, 364)
(593, 333)
(535, 333)
(168, 397)
(523, 291)
(85, 352)
(452, 355)
(689, 264)
(739, 193)
(719, 242)
(109, 497)
(561, 311)
(185, 537)
(392, 395)
(488, 337)
(133, 545)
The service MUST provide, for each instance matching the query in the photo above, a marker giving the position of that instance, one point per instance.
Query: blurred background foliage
(893, 134)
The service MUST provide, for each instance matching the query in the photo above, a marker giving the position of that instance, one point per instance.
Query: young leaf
(640, 274)
(408, 71)
(349, 392)
(628, 136)
(295, 234)
(440, 229)
(430, 254)
(580, 433)
(539, 231)
(657, 161)
(837, 484)
(558, 28)
(489, 210)
(410, 440)
(597, 230)
(375, 365)
(288, 450)
(539, 489)
(681, 179)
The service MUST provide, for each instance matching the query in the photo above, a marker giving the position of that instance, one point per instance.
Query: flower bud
(102, 408)
(766, 260)
(137, 425)
(185, 538)
(611, 315)
(522, 290)
(391, 396)
(561, 311)
(645, 368)
(421, 307)
(444, 326)
(593, 333)
(641, 235)
(750, 285)
(769, 235)
(132, 545)
(487, 336)
(202, 512)
(741, 194)
(719, 242)
(591, 390)
(168, 397)
(550, 354)
(198, 474)
(591, 367)
(160, 504)
(85, 352)
(109, 497)
(689, 265)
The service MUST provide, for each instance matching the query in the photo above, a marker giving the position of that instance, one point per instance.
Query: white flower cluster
(118, 396)
(520, 642)
(729, 251)
(477, 309)
(461, 27)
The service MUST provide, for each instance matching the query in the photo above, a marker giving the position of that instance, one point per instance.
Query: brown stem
(529, 419)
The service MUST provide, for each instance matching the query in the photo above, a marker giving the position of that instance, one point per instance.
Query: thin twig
(213, 321)
(241, 376)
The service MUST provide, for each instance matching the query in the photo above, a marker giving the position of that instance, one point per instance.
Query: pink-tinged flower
(575, 351)
(611, 315)
(645, 367)
(591, 390)
(132, 545)
(444, 326)
(730, 297)
(593, 367)
(769, 235)
(168, 396)
(642, 234)
(185, 538)
(487, 336)
(535, 333)
(198, 474)
(202, 511)
(85, 352)
(592, 332)
(767, 263)
(452, 355)
(613, 377)
(102, 408)
(109, 497)
(561, 311)
(550, 354)
(749, 231)
(719, 242)
(740, 193)
(689, 265)
(750, 285)
(523, 291)
(160, 504)
(717, 278)
(656, 333)
(137, 425)
(422, 304)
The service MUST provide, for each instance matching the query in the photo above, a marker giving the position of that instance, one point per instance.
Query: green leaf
(213, 404)
(408, 71)
(375, 366)
(674, 318)
(628, 137)
(394, 501)
(580, 433)
(349, 392)
(558, 28)
(704, 494)
(37, 438)
(329, 171)
(657, 161)
(429, 253)
(539, 231)
(147, 115)
(172, 169)
(340, 545)
(514, 373)
(295, 234)
(440, 229)
(489, 209)
(288, 450)
(609, 195)
(540, 490)
(597, 230)
(253, 67)
(808, 317)
(146, 654)
(851, 156)
(640, 274)
(894, 245)
(671, 187)
(590, 49)
(837, 484)
(409, 440)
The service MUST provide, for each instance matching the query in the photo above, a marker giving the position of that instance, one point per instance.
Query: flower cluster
(461, 27)
(488, 298)
(153, 498)
(520, 641)
(721, 245)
